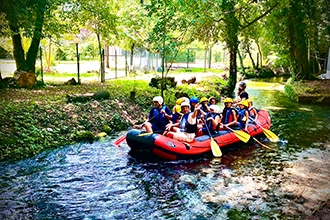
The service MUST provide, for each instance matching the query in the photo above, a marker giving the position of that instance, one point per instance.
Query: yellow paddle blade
(215, 148)
(270, 135)
(245, 137)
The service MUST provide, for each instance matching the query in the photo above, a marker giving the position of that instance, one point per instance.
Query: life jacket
(159, 118)
(204, 108)
(185, 126)
(241, 115)
(175, 117)
(227, 115)
(209, 123)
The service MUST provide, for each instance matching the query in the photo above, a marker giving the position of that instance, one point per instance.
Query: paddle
(120, 140)
(245, 137)
(269, 134)
(214, 146)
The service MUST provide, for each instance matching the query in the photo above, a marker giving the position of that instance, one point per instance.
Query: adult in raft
(241, 94)
(185, 129)
(159, 116)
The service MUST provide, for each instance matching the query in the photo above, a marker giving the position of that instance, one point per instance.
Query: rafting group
(195, 126)
(191, 117)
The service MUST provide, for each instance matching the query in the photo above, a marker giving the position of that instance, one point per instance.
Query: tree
(25, 18)
(301, 31)
(32, 20)
(224, 21)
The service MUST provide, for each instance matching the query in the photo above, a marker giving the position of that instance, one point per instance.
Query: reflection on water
(102, 181)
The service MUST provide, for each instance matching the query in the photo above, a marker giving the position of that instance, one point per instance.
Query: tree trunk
(241, 62)
(18, 50)
(131, 58)
(298, 45)
(251, 57)
(32, 53)
(231, 36)
(101, 53)
(260, 54)
(232, 68)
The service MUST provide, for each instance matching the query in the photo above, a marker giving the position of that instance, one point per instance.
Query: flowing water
(102, 181)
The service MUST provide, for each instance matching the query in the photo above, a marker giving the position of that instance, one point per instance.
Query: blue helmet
(194, 99)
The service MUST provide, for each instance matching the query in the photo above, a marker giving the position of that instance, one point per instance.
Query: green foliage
(292, 89)
(264, 72)
(85, 136)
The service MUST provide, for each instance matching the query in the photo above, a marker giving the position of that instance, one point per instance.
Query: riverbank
(310, 91)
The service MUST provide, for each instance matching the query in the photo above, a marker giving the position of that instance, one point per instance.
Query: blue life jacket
(241, 115)
(159, 118)
(227, 115)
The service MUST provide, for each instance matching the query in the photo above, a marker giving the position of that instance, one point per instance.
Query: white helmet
(185, 104)
(158, 99)
(215, 108)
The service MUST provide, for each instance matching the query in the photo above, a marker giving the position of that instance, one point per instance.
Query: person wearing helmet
(241, 94)
(193, 102)
(229, 114)
(176, 113)
(159, 116)
(186, 128)
(204, 107)
(243, 114)
(212, 120)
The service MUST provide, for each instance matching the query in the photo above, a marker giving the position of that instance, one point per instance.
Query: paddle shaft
(264, 145)
(120, 140)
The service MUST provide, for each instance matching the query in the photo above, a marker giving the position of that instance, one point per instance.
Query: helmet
(182, 99)
(185, 104)
(158, 99)
(228, 100)
(215, 108)
(186, 99)
(177, 109)
(244, 102)
(179, 101)
(204, 99)
(194, 99)
(242, 84)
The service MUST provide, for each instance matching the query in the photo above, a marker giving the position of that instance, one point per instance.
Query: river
(102, 181)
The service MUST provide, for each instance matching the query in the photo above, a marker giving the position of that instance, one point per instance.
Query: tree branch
(261, 16)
